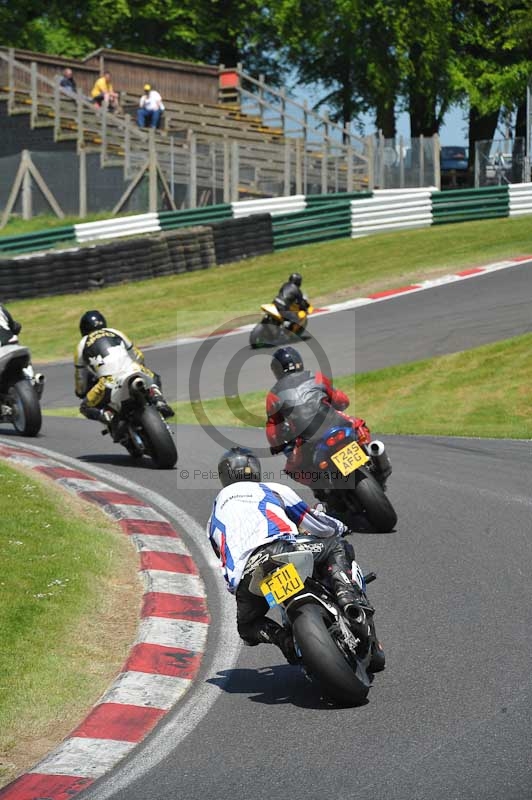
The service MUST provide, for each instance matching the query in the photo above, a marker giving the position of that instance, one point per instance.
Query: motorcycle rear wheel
(27, 417)
(325, 661)
(158, 439)
(379, 511)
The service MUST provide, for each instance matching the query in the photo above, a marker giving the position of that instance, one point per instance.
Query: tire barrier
(241, 238)
(142, 258)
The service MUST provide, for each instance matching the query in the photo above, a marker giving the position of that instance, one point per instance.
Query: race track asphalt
(450, 717)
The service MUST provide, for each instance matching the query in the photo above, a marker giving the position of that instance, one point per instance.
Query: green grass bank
(194, 303)
(69, 600)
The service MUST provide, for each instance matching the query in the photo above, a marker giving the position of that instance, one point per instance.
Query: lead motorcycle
(274, 330)
(136, 423)
(349, 477)
(330, 653)
(20, 390)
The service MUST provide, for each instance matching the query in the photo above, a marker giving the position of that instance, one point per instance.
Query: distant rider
(97, 357)
(250, 520)
(299, 406)
(9, 328)
(290, 299)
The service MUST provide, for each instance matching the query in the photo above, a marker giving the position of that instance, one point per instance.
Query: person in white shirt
(150, 108)
(251, 519)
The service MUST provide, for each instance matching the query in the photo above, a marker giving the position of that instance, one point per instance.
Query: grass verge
(199, 302)
(481, 392)
(65, 573)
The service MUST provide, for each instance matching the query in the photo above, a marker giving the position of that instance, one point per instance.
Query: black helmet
(286, 359)
(238, 464)
(91, 321)
(296, 278)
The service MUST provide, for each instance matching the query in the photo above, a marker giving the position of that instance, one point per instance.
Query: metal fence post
(436, 158)
(26, 189)
(286, 168)
(33, 95)
(299, 187)
(227, 171)
(82, 182)
(193, 188)
(421, 160)
(235, 171)
(152, 174)
(11, 80)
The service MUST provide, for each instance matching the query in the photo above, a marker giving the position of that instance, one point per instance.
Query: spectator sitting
(102, 93)
(67, 82)
(150, 108)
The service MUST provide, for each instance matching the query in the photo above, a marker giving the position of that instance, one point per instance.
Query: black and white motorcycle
(20, 390)
(137, 423)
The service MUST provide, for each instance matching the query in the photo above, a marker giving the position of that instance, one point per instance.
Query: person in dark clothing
(290, 299)
(67, 82)
(9, 328)
(298, 407)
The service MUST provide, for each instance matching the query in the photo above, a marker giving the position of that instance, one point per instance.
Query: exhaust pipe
(380, 458)
(138, 386)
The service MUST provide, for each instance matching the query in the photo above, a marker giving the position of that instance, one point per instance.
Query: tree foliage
(421, 56)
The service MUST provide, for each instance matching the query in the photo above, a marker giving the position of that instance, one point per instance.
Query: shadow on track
(276, 685)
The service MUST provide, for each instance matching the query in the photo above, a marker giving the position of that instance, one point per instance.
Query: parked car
(454, 167)
(453, 157)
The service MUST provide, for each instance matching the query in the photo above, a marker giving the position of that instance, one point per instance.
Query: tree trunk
(385, 118)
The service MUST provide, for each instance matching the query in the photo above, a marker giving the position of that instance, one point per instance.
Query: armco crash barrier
(167, 253)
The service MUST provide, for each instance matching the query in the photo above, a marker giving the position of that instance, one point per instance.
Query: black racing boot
(160, 403)
(282, 637)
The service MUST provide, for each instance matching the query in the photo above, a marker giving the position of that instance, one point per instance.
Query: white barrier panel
(270, 205)
(112, 228)
(392, 210)
(520, 199)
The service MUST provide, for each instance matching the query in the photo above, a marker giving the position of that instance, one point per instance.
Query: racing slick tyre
(339, 679)
(159, 442)
(27, 417)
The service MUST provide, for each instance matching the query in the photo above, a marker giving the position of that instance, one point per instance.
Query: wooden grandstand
(239, 137)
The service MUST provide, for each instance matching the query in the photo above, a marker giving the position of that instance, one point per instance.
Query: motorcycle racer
(251, 520)
(290, 299)
(9, 328)
(101, 353)
(298, 406)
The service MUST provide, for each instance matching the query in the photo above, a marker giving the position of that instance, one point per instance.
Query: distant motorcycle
(274, 330)
(20, 390)
(331, 654)
(137, 424)
(351, 477)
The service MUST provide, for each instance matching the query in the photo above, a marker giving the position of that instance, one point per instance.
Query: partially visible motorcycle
(274, 330)
(350, 477)
(20, 390)
(136, 423)
(330, 652)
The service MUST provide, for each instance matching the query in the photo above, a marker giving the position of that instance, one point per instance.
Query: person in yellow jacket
(102, 93)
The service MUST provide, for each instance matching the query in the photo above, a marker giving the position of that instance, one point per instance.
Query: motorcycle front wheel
(159, 442)
(27, 417)
(339, 680)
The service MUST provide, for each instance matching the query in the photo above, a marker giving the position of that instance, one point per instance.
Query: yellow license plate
(278, 586)
(350, 458)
